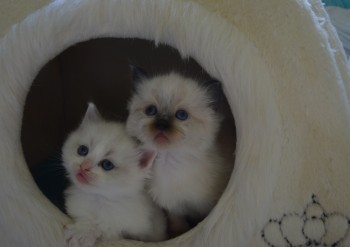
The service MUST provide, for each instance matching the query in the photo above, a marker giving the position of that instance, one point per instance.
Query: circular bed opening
(228, 52)
(96, 71)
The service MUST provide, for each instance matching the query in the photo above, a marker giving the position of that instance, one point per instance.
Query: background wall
(13, 11)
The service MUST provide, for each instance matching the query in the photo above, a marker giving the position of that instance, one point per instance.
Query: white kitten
(174, 116)
(107, 198)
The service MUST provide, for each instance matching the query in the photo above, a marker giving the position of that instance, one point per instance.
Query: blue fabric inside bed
(339, 3)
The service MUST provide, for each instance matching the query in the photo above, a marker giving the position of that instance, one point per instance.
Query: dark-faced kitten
(175, 117)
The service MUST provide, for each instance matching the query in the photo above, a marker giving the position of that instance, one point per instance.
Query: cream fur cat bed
(286, 79)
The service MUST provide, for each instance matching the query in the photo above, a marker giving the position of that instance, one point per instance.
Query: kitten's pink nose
(86, 165)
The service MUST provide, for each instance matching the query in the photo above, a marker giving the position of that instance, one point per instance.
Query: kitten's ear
(91, 114)
(147, 159)
(137, 75)
(215, 91)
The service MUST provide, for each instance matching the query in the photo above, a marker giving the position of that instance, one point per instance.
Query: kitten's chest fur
(111, 217)
(184, 182)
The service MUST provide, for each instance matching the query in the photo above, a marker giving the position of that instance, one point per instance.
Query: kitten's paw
(80, 236)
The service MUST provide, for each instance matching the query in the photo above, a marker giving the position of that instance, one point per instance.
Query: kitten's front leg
(81, 235)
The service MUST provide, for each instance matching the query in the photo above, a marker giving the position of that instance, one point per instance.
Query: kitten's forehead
(172, 90)
(105, 139)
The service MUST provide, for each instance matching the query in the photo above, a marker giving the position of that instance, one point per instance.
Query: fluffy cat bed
(286, 79)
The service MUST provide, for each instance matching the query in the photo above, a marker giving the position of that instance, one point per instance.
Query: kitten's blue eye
(151, 110)
(106, 165)
(83, 150)
(181, 115)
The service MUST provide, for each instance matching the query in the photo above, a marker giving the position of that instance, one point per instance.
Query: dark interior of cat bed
(94, 71)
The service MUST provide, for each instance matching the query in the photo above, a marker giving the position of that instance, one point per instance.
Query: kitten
(107, 198)
(176, 117)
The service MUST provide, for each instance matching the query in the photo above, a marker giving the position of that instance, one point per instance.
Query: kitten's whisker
(181, 132)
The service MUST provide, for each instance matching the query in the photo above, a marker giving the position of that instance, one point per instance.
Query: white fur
(113, 204)
(188, 175)
(285, 76)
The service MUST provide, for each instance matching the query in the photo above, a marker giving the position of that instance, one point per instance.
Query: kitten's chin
(161, 139)
(82, 178)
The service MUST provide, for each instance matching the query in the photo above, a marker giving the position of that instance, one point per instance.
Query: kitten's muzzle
(162, 124)
(83, 174)
(86, 165)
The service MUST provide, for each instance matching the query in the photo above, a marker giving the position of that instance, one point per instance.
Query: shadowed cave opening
(95, 71)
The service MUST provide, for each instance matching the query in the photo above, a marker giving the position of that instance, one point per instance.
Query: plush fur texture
(107, 199)
(188, 175)
(285, 76)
